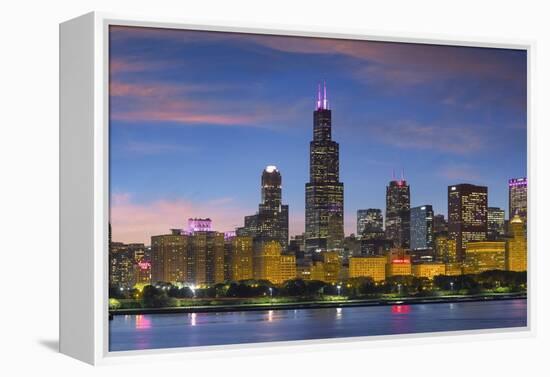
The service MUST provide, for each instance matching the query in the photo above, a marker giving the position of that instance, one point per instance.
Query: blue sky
(196, 116)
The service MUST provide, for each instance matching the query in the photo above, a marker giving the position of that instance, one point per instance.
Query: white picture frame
(84, 156)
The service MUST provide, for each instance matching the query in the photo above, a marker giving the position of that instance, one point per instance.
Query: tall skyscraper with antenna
(324, 191)
(398, 205)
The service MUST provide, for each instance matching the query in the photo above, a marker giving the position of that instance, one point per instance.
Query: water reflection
(143, 322)
(133, 332)
(400, 309)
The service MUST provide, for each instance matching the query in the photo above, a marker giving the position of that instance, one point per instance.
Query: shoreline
(320, 304)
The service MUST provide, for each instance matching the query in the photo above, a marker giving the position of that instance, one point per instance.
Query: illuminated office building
(267, 263)
(517, 198)
(398, 203)
(288, 267)
(467, 207)
(484, 256)
(242, 258)
(495, 223)
(206, 258)
(169, 257)
(428, 270)
(121, 266)
(516, 247)
(368, 266)
(445, 249)
(324, 192)
(370, 223)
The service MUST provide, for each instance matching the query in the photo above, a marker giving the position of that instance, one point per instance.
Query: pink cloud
(172, 103)
(178, 103)
(137, 222)
(119, 65)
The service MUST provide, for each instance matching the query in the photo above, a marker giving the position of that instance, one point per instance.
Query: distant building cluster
(405, 241)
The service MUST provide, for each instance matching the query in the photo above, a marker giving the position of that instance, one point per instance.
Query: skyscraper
(370, 223)
(270, 223)
(495, 223)
(324, 191)
(517, 198)
(422, 227)
(467, 207)
(398, 204)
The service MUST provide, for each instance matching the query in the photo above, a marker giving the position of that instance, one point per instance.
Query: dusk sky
(196, 116)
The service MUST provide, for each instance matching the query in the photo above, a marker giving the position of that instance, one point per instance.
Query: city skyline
(169, 134)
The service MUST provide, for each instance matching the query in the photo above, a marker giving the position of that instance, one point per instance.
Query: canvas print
(270, 188)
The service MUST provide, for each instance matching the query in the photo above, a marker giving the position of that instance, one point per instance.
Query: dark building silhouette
(440, 224)
(467, 207)
(270, 223)
(398, 204)
(324, 191)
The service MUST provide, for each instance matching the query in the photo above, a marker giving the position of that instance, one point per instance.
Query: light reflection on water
(144, 331)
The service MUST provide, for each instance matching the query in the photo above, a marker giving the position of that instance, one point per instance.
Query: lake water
(147, 331)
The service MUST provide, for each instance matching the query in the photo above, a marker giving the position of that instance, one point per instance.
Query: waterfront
(149, 331)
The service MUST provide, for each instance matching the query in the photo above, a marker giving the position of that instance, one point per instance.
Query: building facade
(288, 267)
(169, 258)
(267, 263)
(467, 214)
(516, 247)
(398, 262)
(242, 266)
(484, 256)
(368, 266)
(206, 258)
(324, 192)
(428, 270)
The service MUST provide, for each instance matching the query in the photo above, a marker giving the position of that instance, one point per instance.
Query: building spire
(325, 99)
(322, 102)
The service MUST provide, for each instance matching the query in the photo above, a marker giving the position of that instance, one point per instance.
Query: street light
(338, 287)
(399, 289)
(452, 285)
(270, 292)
